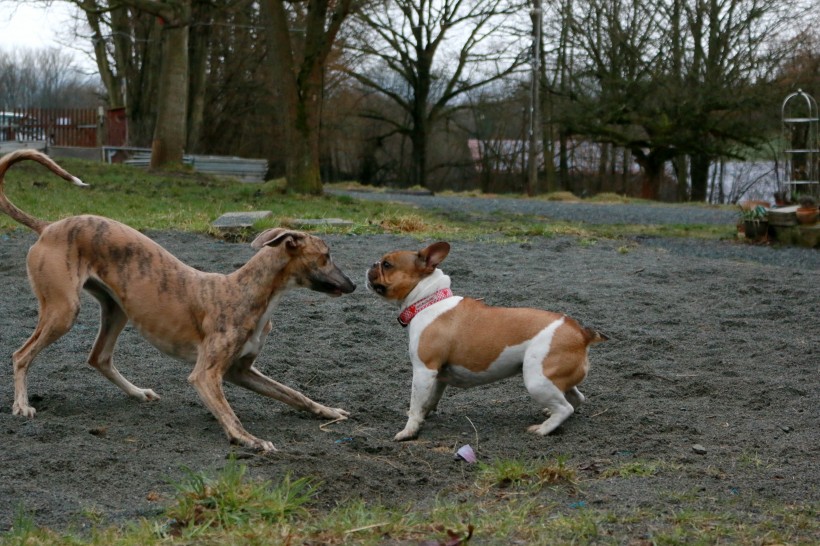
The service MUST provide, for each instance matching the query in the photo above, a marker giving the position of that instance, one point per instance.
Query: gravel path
(617, 213)
(591, 213)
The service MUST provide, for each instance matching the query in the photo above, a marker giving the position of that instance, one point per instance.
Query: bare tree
(734, 52)
(301, 36)
(44, 78)
(425, 55)
(143, 44)
(671, 78)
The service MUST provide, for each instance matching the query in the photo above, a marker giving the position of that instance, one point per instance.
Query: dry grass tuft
(408, 223)
(564, 196)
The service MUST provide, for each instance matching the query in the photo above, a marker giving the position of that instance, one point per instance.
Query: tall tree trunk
(700, 176)
(300, 83)
(198, 63)
(299, 107)
(112, 81)
(601, 181)
(563, 161)
(172, 100)
(652, 164)
(139, 62)
(418, 139)
(681, 165)
(626, 170)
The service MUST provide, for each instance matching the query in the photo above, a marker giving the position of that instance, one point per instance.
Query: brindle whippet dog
(216, 322)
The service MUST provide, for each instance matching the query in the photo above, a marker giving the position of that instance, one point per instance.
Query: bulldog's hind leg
(575, 397)
(546, 395)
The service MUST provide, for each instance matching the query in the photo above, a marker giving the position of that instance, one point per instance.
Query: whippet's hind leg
(58, 310)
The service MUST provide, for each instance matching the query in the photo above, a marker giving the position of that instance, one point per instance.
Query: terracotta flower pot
(807, 216)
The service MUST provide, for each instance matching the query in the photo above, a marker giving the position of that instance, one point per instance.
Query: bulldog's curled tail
(594, 336)
(8, 207)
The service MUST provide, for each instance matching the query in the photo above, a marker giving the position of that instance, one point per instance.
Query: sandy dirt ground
(716, 352)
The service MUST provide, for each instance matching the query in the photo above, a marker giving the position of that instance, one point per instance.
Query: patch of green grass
(530, 474)
(752, 459)
(231, 508)
(231, 500)
(565, 196)
(610, 197)
(183, 200)
(358, 521)
(638, 468)
(514, 227)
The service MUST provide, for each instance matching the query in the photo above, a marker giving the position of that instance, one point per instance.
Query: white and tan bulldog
(463, 342)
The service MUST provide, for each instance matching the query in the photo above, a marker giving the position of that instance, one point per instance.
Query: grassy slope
(190, 201)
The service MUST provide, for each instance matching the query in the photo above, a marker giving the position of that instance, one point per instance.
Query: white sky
(31, 25)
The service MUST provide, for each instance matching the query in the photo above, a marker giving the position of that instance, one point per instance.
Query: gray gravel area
(591, 213)
(709, 378)
(710, 374)
(617, 213)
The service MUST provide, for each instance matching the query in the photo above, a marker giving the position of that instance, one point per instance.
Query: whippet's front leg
(112, 321)
(427, 391)
(207, 380)
(249, 377)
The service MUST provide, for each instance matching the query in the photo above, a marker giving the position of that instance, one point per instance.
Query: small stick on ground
(323, 425)
(365, 528)
(474, 430)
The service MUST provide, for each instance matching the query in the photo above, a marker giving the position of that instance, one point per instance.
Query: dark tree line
(392, 91)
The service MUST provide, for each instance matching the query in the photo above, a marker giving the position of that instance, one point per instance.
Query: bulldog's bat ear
(277, 236)
(433, 255)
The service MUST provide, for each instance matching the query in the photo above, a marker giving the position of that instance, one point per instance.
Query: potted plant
(807, 210)
(755, 222)
(782, 198)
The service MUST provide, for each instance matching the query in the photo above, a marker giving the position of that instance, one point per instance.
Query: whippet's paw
(146, 395)
(23, 411)
(337, 414)
(405, 435)
(256, 444)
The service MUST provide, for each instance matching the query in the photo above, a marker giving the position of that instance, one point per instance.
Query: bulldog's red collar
(411, 311)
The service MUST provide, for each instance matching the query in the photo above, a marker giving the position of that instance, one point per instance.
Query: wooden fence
(57, 126)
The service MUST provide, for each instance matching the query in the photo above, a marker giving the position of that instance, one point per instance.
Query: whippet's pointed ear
(433, 255)
(277, 236)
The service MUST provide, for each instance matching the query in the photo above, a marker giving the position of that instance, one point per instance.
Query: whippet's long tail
(8, 207)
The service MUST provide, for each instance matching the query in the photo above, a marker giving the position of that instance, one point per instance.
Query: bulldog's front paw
(405, 435)
(538, 429)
